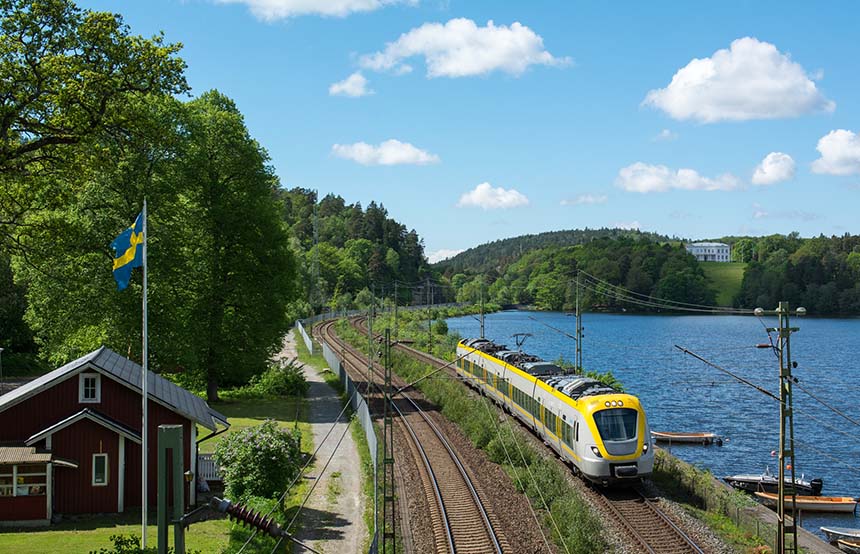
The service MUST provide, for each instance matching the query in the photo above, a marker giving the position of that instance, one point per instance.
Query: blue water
(681, 393)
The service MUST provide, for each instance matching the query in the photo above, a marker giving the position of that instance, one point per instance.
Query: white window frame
(82, 379)
(107, 470)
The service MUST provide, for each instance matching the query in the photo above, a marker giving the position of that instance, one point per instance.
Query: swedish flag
(129, 253)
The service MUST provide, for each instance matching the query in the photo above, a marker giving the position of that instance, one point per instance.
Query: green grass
(92, 533)
(725, 277)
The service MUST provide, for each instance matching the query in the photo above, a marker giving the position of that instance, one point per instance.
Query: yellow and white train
(603, 433)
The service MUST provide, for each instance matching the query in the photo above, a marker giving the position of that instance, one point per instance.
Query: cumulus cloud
(585, 199)
(627, 225)
(774, 168)
(750, 80)
(390, 152)
(665, 136)
(271, 10)
(840, 153)
(355, 85)
(486, 197)
(442, 254)
(642, 177)
(460, 48)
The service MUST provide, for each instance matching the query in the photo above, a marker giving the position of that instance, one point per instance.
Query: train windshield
(616, 424)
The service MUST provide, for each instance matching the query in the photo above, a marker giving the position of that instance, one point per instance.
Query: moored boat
(842, 504)
(849, 546)
(689, 438)
(846, 533)
(767, 482)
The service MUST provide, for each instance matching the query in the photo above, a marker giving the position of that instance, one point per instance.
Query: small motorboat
(688, 438)
(768, 482)
(846, 533)
(849, 546)
(842, 504)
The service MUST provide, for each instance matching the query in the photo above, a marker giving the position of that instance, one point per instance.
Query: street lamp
(1, 371)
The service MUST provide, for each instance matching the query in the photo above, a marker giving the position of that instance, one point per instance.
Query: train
(601, 432)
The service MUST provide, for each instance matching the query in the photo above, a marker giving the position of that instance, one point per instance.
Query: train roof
(573, 386)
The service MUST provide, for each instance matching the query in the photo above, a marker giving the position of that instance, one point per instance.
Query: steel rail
(477, 503)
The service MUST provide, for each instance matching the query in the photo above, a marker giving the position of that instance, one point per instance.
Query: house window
(100, 470)
(89, 388)
(23, 480)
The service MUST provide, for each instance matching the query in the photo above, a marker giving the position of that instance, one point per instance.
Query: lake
(680, 393)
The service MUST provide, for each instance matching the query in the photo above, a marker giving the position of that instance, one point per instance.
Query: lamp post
(1, 371)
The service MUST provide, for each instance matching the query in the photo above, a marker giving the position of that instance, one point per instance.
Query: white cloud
(585, 199)
(794, 215)
(271, 10)
(460, 48)
(442, 254)
(665, 135)
(390, 152)
(355, 85)
(750, 80)
(774, 168)
(840, 153)
(642, 177)
(627, 225)
(488, 198)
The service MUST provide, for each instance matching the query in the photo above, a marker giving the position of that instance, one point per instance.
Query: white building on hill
(710, 251)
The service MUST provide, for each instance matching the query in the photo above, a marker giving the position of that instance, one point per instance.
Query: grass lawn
(726, 279)
(93, 533)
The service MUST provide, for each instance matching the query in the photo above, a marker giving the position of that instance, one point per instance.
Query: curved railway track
(646, 525)
(460, 521)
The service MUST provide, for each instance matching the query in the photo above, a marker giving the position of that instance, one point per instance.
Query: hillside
(725, 279)
(499, 254)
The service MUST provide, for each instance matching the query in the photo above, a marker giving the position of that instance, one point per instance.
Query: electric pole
(429, 315)
(482, 306)
(388, 514)
(370, 349)
(395, 311)
(786, 429)
(578, 361)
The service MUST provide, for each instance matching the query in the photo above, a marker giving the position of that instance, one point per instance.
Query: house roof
(92, 415)
(106, 361)
(707, 244)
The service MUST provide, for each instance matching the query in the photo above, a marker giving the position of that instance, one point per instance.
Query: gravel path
(333, 518)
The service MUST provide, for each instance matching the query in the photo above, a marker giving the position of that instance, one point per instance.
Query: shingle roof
(22, 455)
(127, 372)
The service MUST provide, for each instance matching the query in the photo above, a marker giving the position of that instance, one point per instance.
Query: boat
(842, 504)
(690, 438)
(849, 546)
(768, 482)
(845, 533)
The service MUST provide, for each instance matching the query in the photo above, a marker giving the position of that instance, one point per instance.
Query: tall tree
(242, 269)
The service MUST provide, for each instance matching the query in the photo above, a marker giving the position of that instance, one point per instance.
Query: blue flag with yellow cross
(128, 248)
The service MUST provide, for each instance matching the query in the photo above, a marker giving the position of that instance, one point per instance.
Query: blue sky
(471, 131)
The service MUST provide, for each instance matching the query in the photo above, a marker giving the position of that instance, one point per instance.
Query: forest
(232, 255)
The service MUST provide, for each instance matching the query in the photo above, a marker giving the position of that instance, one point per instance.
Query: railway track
(646, 525)
(461, 522)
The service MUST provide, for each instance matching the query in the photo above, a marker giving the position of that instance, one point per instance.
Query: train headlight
(645, 448)
(606, 403)
(596, 451)
(620, 403)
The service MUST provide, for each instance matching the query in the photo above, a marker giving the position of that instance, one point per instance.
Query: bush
(130, 544)
(258, 461)
(283, 378)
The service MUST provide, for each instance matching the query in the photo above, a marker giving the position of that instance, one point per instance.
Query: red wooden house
(70, 440)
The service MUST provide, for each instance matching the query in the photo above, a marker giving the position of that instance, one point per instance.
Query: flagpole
(144, 447)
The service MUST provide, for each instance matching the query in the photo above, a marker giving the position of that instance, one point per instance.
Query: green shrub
(258, 461)
(283, 378)
(130, 544)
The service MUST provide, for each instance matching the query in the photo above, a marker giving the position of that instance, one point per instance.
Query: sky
(472, 121)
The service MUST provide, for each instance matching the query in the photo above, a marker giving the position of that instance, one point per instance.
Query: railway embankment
(701, 489)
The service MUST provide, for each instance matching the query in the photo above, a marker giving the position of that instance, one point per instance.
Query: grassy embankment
(93, 532)
(725, 278)
(573, 527)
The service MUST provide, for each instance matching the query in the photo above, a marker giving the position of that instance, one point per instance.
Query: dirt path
(333, 519)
